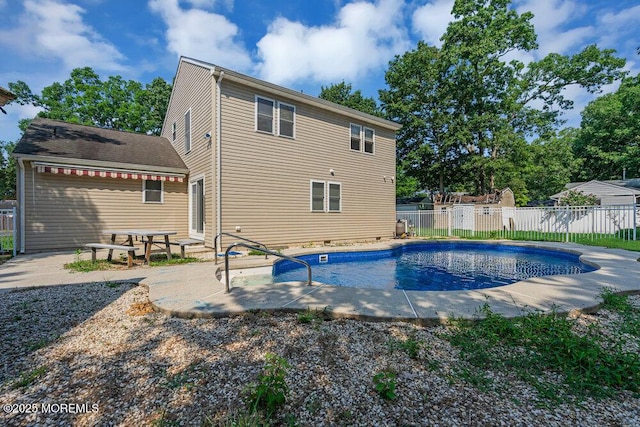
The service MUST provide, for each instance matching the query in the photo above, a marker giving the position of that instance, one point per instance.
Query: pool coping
(197, 290)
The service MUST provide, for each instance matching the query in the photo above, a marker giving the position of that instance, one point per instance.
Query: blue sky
(302, 45)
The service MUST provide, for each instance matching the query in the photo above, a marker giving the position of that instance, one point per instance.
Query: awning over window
(106, 173)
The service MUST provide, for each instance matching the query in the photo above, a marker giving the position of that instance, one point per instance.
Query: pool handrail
(235, 236)
(266, 251)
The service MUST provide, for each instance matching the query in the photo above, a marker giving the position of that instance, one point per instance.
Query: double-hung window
(187, 131)
(368, 140)
(356, 137)
(264, 115)
(362, 139)
(317, 196)
(326, 196)
(335, 197)
(286, 117)
(152, 191)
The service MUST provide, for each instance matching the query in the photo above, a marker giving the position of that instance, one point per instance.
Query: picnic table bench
(147, 235)
(130, 250)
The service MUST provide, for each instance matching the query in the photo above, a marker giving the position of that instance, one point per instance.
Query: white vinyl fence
(558, 223)
(8, 230)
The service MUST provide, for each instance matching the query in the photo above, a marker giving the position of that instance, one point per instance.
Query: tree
(609, 136)
(114, 103)
(343, 94)
(7, 171)
(578, 198)
(467, 111)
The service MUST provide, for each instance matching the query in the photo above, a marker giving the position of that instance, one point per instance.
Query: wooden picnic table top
(135, 232)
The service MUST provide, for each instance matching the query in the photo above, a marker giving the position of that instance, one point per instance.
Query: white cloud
(552, 21)
(363, 38)
(202, 35)
(55, 30)
(431, 20)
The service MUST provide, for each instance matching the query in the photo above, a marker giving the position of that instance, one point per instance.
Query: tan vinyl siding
(65, 212)
(266, 178)
(194, 89)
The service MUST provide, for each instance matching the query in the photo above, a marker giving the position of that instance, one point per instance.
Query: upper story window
(173, 131)
(264, 114)
(362, 139)
(151, 191)
(187, 131)
(286, 117)
(368, 140)
(356, 141)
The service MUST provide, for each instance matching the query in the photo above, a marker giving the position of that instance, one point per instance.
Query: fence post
(566, 208)
(635, 222)
(15, 231)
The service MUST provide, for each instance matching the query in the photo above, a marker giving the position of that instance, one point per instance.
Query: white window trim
(360, 134)
(195, 234)
(373, 140)
(279, 119)
(144, 193)
(328, 196)
(324, 195)
(188, 150)
(273, 115)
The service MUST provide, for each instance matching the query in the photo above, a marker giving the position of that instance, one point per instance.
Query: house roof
(5, 96)
(62, 142)
(628, 183)
(296, 95)
(598, 189)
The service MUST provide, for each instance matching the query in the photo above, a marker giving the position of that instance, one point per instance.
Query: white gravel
(104, 360)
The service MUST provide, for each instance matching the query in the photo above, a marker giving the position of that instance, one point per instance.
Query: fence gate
(8, 230)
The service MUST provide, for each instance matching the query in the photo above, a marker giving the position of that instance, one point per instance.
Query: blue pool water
(433, 266)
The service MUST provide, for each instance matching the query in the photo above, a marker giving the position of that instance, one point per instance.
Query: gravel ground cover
(97, 354)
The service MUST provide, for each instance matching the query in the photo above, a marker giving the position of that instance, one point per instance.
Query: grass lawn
(85, 266)
(607, 241)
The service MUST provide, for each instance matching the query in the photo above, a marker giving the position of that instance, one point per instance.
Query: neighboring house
(625, 192)
(279, 165)
(75, 181)
(236, 155)
(5, 97)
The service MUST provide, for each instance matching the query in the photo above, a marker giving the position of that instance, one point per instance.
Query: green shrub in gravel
(28, 378)
(537, 344)
(630, 315)
(385, 384)
(271, 390)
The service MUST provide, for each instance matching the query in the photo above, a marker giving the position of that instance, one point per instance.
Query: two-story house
(272, 164)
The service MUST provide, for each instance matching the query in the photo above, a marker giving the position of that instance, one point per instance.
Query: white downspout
(22, 204)
(219, 157)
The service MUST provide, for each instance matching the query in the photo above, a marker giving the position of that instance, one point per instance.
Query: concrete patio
(197, 289)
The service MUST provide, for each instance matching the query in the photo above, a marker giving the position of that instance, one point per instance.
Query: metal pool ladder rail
(219, 235)
(266, 251)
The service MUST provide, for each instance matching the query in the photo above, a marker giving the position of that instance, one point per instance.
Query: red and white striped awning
(107, 173)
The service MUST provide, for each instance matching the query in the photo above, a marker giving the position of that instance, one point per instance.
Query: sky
(302, 45)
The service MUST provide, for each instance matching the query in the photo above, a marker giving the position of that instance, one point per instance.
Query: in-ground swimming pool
(433, 266)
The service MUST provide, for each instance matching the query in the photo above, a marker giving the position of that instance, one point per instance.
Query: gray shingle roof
(56, 139)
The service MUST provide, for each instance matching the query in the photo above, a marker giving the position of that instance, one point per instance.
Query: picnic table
(147, 238)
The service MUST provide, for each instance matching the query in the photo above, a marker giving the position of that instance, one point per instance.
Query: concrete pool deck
(197, 289)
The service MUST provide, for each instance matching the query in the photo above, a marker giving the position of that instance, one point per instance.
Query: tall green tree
(342, 93)
(466, 110)
(114, 103)
(609, 136)
(7, 171)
